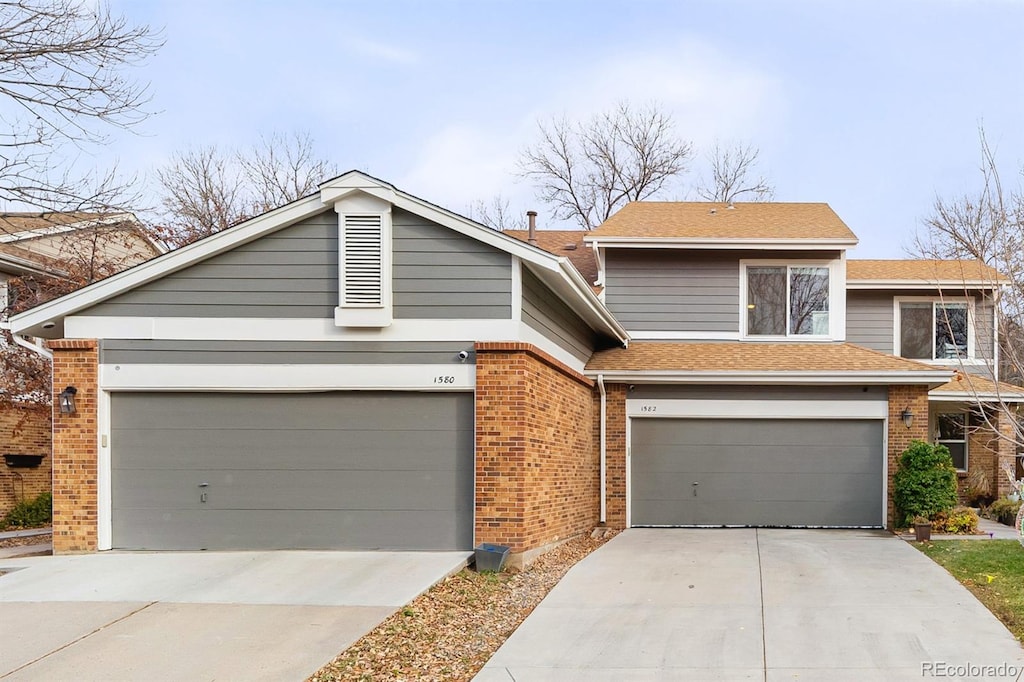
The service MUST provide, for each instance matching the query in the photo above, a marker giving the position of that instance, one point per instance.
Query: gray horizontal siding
(869, 319)
(673, 291)
(191, 352)
(293, 273)
(441, 274)
(983, 321)
(544, 312)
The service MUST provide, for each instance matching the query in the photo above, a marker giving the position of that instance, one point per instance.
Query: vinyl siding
(441, 274)
(192, 352)
(869, 319)
(293, 273)
(672, 291)
(544, 312)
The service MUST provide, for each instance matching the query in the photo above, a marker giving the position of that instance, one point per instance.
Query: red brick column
(615, 456)
(75, 363)
(900, 398)
(536, 451)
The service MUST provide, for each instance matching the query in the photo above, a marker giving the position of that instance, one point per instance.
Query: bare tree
(205, 190)
(496, 214)
(63, 84)
(734, 176)
(987, 225)
(282, 168)
(586, 171)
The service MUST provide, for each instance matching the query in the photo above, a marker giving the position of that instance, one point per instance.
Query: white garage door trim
(756, 409)
(207, 378)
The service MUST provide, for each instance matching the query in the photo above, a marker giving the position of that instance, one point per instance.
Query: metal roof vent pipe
(532, 233)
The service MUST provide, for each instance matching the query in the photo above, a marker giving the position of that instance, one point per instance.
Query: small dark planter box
(923, 532)
(491, 557)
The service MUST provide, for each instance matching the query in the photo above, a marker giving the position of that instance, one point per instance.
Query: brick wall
(615, 455)
(1005, 451)
(75, 363)
(537, 471)
(900, 398)
(24, 430)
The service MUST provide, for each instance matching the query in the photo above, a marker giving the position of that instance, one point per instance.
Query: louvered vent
(364, 239)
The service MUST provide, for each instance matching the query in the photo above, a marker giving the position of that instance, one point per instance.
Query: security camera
(463, 355)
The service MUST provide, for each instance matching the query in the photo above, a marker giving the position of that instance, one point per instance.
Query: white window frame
(836, 299)
(966, 441)
(970, 359)
(362, 314)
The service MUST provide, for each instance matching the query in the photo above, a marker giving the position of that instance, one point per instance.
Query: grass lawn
(992, 569)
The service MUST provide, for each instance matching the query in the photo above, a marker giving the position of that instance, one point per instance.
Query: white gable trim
(581, 297)
(164, 265)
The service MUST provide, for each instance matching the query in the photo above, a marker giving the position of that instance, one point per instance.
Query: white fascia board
(968, 396)
(569, 284)
(756, 409)
(148, 377)
(146, 272)
(24, 265)
(921, 284)
(111, 219)
(933, 379)
(721, 243)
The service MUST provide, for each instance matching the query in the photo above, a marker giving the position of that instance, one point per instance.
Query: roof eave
(719, 243)
(923, 284)
(933, 378)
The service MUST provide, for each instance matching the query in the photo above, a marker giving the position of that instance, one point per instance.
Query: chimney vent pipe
(532, 234)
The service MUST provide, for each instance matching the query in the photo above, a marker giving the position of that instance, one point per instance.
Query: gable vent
(364, 266)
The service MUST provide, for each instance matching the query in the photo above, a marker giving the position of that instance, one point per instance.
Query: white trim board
(286, 378)
(756, 409)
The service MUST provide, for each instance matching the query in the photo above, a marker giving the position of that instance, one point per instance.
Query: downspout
(35, 348)
(604, 441)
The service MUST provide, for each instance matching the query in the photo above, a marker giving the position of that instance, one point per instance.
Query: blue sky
(872, 107)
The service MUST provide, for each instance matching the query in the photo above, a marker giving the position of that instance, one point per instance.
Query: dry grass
(451, 631)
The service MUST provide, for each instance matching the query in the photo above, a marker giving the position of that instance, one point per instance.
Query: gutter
(604, 444)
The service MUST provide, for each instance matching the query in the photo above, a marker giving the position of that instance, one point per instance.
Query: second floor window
(933, 330)
(787, 300)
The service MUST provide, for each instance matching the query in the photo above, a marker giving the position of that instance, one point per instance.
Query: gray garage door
(378, 470)
(756, 472)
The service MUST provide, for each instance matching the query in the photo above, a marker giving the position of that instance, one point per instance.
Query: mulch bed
(31, 540)
(451, 631)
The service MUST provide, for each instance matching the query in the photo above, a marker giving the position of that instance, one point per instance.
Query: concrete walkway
(743, 604)
(199, 616)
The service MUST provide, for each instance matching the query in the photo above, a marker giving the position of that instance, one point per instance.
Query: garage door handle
(695, 484)
(202, 493)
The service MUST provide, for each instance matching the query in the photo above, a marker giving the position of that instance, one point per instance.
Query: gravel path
(451, 631)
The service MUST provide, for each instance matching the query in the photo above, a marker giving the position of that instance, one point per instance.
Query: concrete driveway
(739, 604)
(199, 615)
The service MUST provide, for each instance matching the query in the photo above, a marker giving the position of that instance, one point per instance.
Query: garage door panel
(307, 411)
(266, 449)
(296, 529)
(756, 472)
(271, 460)
(370, 490)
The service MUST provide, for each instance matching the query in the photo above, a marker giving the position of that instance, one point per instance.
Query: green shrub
(925, 482)
(30, 513)
(1004, 511)
(959, 521)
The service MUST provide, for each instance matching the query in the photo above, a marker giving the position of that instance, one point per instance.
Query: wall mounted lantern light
(907, 415)
(67, 400)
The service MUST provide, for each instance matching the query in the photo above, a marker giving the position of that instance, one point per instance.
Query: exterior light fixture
(67, 400)
(907, 415)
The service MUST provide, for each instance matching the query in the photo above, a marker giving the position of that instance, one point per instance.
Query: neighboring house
(362, 369)
(37, 250)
